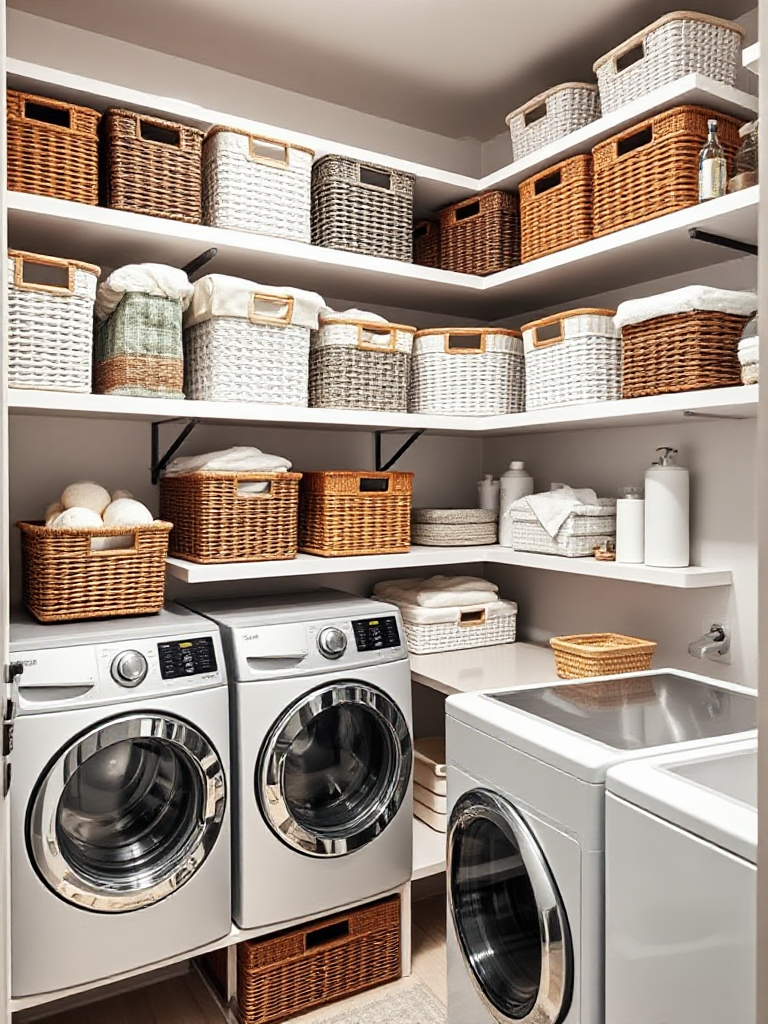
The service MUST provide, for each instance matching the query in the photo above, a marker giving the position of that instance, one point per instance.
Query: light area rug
(411, 1004)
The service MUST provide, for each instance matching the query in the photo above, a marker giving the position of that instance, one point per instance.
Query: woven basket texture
(138, 350)
(556, 208)
(681, 352)
(291, 972)
(213, 522)
(448, 377)
(229, 359)
(355, 513)
(356, 364)
(52, 159)
(362, 208)
(652, 168)
(750, 373)
(63, 580)
(670, 48)
(576, 538)
(50, 327)
(426, 243)
(249, 191)
(481, 235)
(580, 365)
(551, 115)
(431, 638)
(443, 535)
(454, 516)
(600, 654)
(215, 965)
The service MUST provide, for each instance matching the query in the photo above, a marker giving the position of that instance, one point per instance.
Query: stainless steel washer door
(127, 813)
(335, 769)
(507, 912)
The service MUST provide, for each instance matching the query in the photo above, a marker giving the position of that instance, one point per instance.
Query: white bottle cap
(517, 465)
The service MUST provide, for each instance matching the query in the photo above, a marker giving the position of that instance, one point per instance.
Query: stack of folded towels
(430, 802)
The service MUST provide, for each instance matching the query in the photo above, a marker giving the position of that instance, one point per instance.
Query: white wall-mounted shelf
(484, 668)
(428, 851)
(750, 58)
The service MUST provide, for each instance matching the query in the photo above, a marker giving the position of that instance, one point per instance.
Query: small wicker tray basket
(600, 654)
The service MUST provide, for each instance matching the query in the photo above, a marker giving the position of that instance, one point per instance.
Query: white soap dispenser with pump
(667, 512)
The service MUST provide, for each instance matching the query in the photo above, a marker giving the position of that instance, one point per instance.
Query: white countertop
(484, 668)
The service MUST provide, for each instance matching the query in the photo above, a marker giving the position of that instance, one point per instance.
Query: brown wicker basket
(481, 235)
(652, 168)
(63, 579)
(289, 973)
(52, 148)
(681, 352)
(600, 654)
(426, 243)
(214, 521)
(355, 513)
(556, 208)
(152, 166)
(215, 966)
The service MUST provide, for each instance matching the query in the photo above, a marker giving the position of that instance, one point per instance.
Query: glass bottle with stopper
(713, 173)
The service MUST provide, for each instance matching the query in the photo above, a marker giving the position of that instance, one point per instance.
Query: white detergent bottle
(488, 493)
(667, 512)
(516, 483)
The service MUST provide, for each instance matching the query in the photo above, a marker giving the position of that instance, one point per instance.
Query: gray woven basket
(138, 350)
(453, 516)
(552, 115)
(439, 534)
(362, 208)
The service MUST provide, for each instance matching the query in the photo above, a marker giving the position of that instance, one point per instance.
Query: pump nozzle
(668, 456)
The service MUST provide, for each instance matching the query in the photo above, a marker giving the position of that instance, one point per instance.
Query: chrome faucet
(712, 645)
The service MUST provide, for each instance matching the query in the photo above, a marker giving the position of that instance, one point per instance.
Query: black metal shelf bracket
(691, 414)
(728, 243)
(382, 467)
(159, 462)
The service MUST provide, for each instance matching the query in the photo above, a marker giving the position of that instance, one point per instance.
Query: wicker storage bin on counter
(355, 513)
(652, 168)
(600, 654)
(50, 322)
(556, 208)
(63, 578)
(231, 517)
(255, 183)
(573, 358)
(585, 527)
(676, 45)
(138, 350)
(477, 371)
(426, 243)
(317, 963)
(453, 526)
(53, 148)
(362, 208)
(152, 166)
(481, 235)
(431, 630)
(360, 364)
(552, 115)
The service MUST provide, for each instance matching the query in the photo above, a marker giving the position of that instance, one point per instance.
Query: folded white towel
(326, 313)
(219, 295)
(552, 508)
(683, 300)
(149, 278)
(438, 591)
(231, 460)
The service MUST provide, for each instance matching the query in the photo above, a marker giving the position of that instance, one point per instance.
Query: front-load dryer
(321, 753)
(120, 845)
(526, 832)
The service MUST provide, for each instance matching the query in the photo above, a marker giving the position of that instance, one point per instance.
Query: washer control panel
(192, 657)
(376, 634)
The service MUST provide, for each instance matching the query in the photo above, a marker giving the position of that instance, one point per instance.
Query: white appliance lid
(239, 613)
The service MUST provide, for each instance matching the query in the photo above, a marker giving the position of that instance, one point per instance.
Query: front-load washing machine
(681, 888)
(526, 798)
(120, 846)
(321, 753)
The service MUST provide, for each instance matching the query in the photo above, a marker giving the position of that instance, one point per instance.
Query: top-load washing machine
(120, 846)
(526, 833)
(321, 753)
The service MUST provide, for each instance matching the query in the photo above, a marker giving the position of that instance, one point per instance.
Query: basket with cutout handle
(556, 208)
(481, 235)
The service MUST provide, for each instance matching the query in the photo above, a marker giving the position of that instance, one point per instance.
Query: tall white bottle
(667, 512)
(488, 493)
(515, 484)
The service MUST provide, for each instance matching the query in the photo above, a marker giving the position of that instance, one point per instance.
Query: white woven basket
(552, 115)
(50, 325)
(253, 183)
(572, 359)
(674, 46)
(749, 357)
(584, 528)
(473, 626)
(474, 371)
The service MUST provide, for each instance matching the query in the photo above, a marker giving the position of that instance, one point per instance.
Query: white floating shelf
(484, 668)
(428, 851)
(750, 58)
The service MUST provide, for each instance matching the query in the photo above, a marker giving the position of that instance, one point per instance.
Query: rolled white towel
(241, 459)
(86, 494)
(149, 278)
(77, 517)
(127, 512)
(121, 493)
(52, 512)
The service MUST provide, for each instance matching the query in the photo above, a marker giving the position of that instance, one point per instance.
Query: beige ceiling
(456, 67)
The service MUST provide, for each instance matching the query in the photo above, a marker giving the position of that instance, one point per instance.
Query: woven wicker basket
(254, 183)
(573, 358)
(556, 208)
(293, 971)
(355, 513)
(674, 46)
(652, 168)
(481, 235)
(362, 208)
(426, 243)
(584, 528)
(50, 326)
(551, 115)
(453, 526)
(462, 628)
(138, 349)
(600, 654)
(215, 965)
(63, 579)
(478, 372)
(53, 148)
(220, 517)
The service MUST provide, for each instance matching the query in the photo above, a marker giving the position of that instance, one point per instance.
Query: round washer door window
(127, 813)
(507, 912)
(335, 769)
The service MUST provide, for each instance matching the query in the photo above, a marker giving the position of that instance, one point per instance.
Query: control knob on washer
(332, 642)
(129, 668)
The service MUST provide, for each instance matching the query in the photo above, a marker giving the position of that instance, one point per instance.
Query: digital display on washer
(187, 657)
(375, 634)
